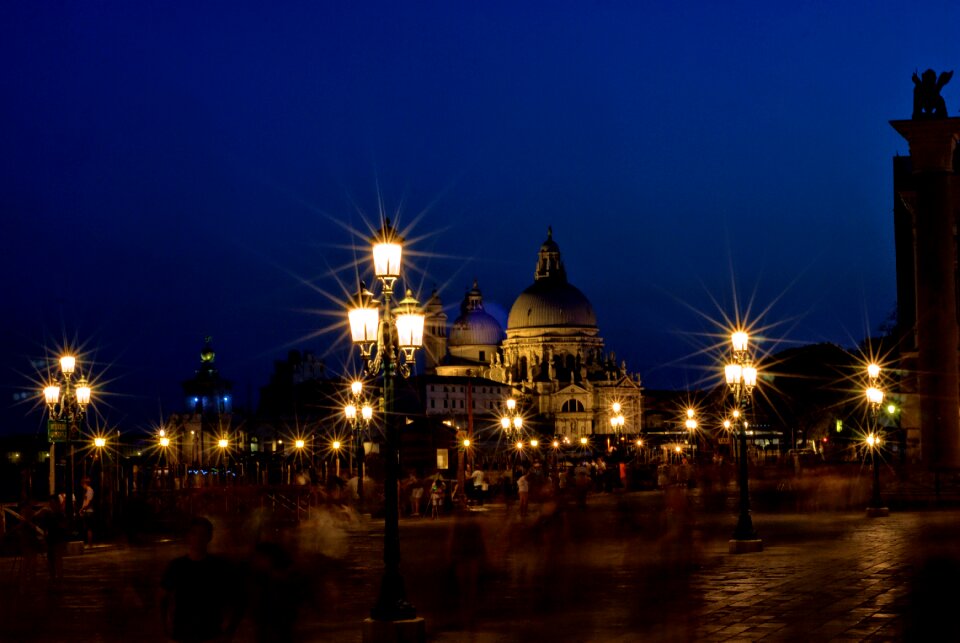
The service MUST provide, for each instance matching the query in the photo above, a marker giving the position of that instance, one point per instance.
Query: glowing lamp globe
(387, 252)
(222, 443)
(366, 413)
(164, 442)
(749, 376)
(733, 373)
(68, 363)
(873, 371)
(409, 321)
(874, 395)
(83, 393)
(518, 423)
(583, 441)
(350, 411)
(739, 340)
(364, 316)
(51, 394)
(356, 388)
(99, 442)
(505, 423)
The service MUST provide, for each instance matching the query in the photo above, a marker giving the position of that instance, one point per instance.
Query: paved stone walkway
(638, 567)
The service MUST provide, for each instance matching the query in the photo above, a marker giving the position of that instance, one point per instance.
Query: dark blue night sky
(172, 170)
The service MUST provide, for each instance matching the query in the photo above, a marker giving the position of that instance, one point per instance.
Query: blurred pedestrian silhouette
(276, 592)
(200, 599)
(523, 491)
(436, 497)
(30, 544)
(86, 513)
(54, 523)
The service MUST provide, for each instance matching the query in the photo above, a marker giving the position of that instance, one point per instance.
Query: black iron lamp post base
(745, 539)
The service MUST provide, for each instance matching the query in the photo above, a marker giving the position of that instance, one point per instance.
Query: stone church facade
(551, 357)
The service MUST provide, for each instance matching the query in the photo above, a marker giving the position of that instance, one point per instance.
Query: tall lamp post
(875, 399)
(365, 414)
(511, 418)
(741, 377)
(691, 424)
(617, 421)
(388, 340)
(67, 410)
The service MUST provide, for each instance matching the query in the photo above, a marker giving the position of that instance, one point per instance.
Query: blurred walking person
(199, 592)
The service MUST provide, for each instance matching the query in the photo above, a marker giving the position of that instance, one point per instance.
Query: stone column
(932, 146)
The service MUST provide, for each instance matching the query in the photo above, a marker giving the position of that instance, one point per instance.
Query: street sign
(57, 431)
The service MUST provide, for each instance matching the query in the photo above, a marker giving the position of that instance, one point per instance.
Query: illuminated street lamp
(359, 428)
(741, 378)
(511, 419)
(66, 413)
(336, 454)
(388, 340)
(875, 400)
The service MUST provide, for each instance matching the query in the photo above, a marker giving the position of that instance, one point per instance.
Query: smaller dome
(474, 326)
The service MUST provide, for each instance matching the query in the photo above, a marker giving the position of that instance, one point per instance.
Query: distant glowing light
(99, 442)
(299, 444)
(356, 388)
(873, 370)
(534, 443)
(222, 443)
(466, 442)
(336, 445)
(164, 442)
(583, 441)
(505, 422)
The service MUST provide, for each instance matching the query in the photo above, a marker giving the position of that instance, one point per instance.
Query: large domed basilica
(552, 357)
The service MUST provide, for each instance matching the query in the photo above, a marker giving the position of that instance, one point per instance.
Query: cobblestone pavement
(643, 566)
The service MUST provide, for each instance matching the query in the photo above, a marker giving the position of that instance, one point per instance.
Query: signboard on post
(57, 431)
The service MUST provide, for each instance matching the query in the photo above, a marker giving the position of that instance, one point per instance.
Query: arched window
(572, 406)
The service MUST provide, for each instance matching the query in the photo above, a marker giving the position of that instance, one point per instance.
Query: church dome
(551, 300)
(474, 326)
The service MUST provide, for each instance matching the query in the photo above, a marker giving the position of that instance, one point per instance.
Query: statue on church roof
(927, 101)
